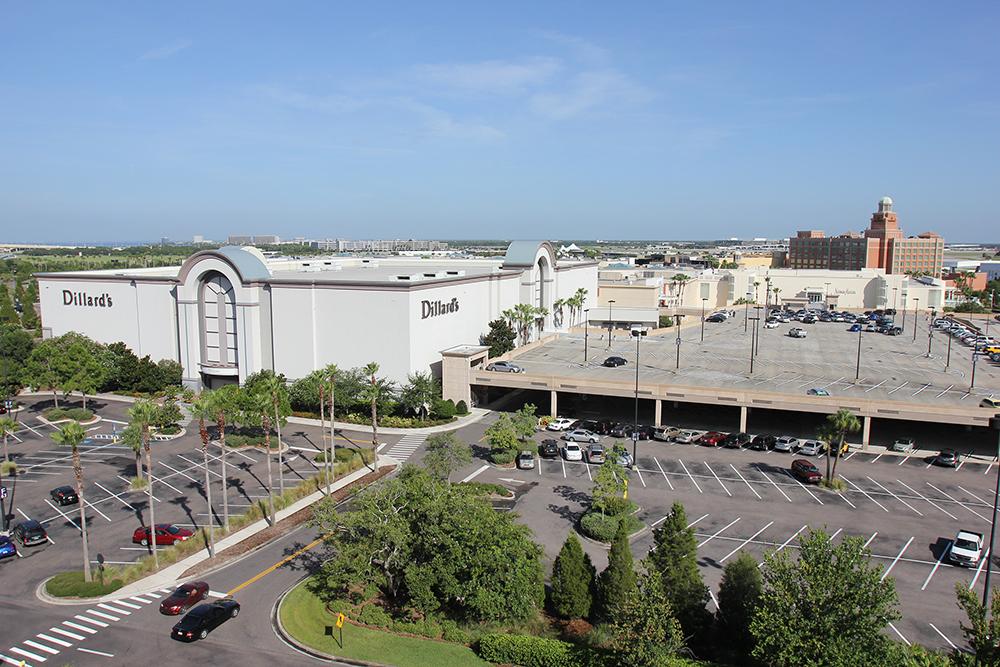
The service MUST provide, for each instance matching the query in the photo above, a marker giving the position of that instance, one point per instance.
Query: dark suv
(736, 440)
(762, 442)
(548, 449)
(64, 495)
(30, 533)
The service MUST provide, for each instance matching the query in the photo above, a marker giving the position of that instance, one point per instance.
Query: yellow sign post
(625, 492)
(340, 627)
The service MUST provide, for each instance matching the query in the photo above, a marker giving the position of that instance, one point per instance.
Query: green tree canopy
(618, 581)
(525, 421)
(446, 453)
(644, 630)
(739, 595)
(983, 628)
(419, 393)
(573, 580)
(500, 338)
(501, 434)
(15, 348)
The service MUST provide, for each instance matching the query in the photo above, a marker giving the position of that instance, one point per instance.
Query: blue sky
(130, 121)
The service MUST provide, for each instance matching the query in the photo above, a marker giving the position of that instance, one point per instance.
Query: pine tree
(618, 579)
(645, 632)
(674, 557)
(573, 574)
(739, 595)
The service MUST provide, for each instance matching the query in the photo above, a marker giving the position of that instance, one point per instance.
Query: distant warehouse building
(881, 246)
(225, 314)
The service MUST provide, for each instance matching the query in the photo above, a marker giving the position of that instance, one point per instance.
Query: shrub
(171, 429)
(376, 616)
(72, 585)
(527, 651)
(77, 414)
(666, 321)
(7, 467)
(602, 527)
(461, 408)
(137, 483)
(445, 409)
(503, 457)
(451, 632)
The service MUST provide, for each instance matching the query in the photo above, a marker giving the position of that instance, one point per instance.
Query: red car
(806, 471)
(166, 535)
(184, 598)
(712, 439)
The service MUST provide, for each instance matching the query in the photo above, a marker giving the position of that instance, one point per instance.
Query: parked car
(771, 324)
(624, 458)
(688, 437)
(806, 471)
(854, 328)
(204, 618)
(904, 445)
(548, 449)
(966, 549)
(572, 452)
(7, 548)
(166, 534)
(736, 440)
(590, 425)
(645, 432)
(811, 448)
(614, 362)
(712, 438)
(183, 598)
(621, 430)
(30, 533)
(716, 318)
(796, 332)
(504, 367)
(560, 424)
(786, 443)
(595, 454)
(525, 461)
(665, 433)
(893, 331)
(762, 442)
(993, 403)
(64, 495)
(581, 435)
(948, 458)
(818, 391)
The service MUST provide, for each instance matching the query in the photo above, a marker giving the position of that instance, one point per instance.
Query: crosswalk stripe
(92, 621)
(114, 610)
(166, 590)
(53, 640)
(101, 614)
(27, 654)
(11, 661)
(81, 628)
(67, 633)
(140, 599)
(155, 596)
(41, 647)
(128, 604)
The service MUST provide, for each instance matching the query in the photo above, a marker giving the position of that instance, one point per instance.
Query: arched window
(217, 303)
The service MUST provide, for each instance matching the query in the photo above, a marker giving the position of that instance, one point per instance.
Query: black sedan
(64, 495)
(612, 362)
(762, 443)
(948, 458)
(204, 618)
(736, 440)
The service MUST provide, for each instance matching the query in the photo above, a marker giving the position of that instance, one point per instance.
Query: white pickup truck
(966, 549)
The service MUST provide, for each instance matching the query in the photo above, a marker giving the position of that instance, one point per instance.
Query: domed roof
(885, 200)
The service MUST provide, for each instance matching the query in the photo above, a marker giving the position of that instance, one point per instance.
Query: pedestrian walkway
(408, 444)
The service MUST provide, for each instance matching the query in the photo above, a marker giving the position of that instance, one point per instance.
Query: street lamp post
(972, 382)
(756, 337)
(995, 425)
(638, 333)
(677, 323)
(611, 322)
(857, 367)
(746, 314)
(916, 302)
(586, 330)
(826, 295)
(947, 361)
(703, 301)
(894, 290)
(753, 336)
(930, 337)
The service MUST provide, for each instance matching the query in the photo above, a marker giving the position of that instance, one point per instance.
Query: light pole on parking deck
(638, 333)
(916, 302)
(586, 330)
(703, 301)
(611, 322)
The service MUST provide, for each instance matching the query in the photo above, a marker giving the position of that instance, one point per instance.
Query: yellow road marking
(261, 575)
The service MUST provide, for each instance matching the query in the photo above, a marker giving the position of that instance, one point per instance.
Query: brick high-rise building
(883, 246)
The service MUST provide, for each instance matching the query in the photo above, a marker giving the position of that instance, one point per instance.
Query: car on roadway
(167, 534)
(966, 549)
(614, 362)
(526, 461)
(818, 391)
(30, 533)
(786, 443)
(688, 436)
(572, 452)
(580, 435)
(665, 433)
(796, 332)
(548, 449)
(811, 448)
(771, 324)
(993, 403)
(504, 367)
(806, 471)
(7, 548)
(595, 454)
(183, 598)
(904, 445)
(64, 495)
(762, 442)
(712, 438)
(560, 424)
(204, 618)
(948, 458)
(736, 440)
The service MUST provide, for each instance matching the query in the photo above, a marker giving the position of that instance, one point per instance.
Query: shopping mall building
(225, 314)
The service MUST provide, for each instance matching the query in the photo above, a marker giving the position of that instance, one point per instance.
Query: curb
(44, 596)
(473, 417)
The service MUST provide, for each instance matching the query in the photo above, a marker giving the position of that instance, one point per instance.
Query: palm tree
(679, 280)
(201, 408)
(7, 426)
(142, 415)
(279, 401)
(557, 311)
(777, 291)
(257, 410)
(131, 436)
(331, 371)
(837, 426)
(756, 284)
(225, 404)
(374, 392)
(322, 425)
(579, 299)
(72, 434)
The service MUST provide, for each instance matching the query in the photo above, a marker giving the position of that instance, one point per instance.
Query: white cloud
(167, 51)
(442, 124)
(308, 102)
(587, 91)
(490, 76)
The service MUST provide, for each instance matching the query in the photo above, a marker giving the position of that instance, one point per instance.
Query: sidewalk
(169, 576)
(474, 415)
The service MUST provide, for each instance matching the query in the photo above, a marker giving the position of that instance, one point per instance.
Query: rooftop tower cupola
(885, 205)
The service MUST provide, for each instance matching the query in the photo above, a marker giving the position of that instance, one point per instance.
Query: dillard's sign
(86, 300)
(435, 308)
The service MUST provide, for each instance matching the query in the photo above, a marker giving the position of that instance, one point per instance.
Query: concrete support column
(657, 412)
(743, 418)
(865, 430)
(554, 403)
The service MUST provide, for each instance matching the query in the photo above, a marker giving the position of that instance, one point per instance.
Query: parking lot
(114, 511)
(894, 368)
(905, 509)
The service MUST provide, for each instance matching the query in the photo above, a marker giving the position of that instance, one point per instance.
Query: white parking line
(662, 472)
(990, 465)
(717, 533)
(923, 497)
(869, 540)
(945, 391)
(904, 459)
(919, 513)
(804, 487)
(116, 496)
(835, 533)
(773, 483)
(589, 476)
(745, 481)
(832, 383)
(717, 479)
(476, 473)
(920, 390)
(951, 498)
(167, 484)
(982, 561)
(880, 455)
(712, 595)
(896, 560)
(177, 472)
(876, 386)
(100, 653)
(201, 466)
(696, 520)
(690, 476)
(936, 565)
(965, 490)
(639, 473)
(563, 462)
(893, 391)
(962, 460)
(900, 634)
(865, 493)
(746, 542)
(943, 636)
(129, 482)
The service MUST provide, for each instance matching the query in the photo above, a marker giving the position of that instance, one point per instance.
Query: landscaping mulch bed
(282, 527)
